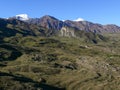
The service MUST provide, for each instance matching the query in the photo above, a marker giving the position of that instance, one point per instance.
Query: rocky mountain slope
(46, 26)
(51, 22)
(48, 22)
(93, 27)
(56, 24)
(11, 27)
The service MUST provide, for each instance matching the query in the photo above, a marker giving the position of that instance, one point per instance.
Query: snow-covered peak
(22, 17)
(79, 19)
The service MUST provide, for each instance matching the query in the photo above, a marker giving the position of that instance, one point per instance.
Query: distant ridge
(53, 23)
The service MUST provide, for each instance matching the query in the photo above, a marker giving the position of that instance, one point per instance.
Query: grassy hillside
(59, 63)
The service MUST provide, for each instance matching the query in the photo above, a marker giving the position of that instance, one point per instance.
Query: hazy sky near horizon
(97, 11)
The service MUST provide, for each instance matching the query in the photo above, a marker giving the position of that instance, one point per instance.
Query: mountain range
(49, 25)
(51, 22)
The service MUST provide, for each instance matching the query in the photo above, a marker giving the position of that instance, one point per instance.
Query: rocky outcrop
(68, 32)
(86, 36)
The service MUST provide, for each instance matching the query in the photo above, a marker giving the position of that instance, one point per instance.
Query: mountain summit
(48, 22)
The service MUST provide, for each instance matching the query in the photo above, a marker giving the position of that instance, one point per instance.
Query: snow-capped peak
(22, 17)
(79, 19)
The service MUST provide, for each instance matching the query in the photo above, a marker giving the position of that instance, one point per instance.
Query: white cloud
(79, 19)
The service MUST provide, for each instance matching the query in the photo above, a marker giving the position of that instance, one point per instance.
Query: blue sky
(97, 11)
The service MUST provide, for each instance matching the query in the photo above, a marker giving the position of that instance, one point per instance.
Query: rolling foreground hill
(49, 54)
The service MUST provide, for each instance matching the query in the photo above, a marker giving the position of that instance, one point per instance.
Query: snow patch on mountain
(22, 17)
(79, 19)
